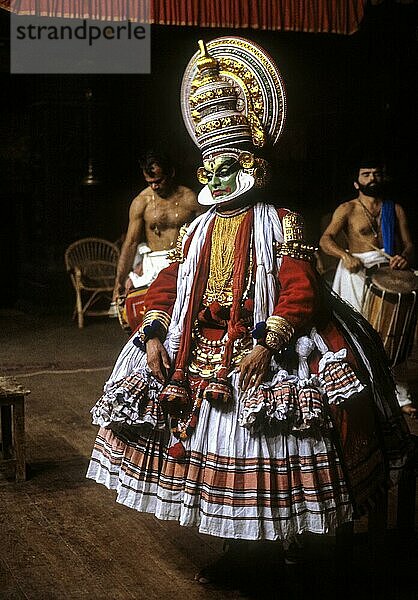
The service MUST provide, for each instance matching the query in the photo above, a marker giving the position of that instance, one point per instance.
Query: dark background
(345, 93)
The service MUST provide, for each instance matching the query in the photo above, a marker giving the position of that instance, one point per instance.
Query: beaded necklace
(372, 219)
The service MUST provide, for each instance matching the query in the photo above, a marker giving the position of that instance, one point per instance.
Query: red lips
(216, 193)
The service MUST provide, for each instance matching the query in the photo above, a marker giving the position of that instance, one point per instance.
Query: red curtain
(318, 16)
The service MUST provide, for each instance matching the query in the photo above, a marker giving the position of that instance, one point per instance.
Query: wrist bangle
(279, 332)
(155, 324)
(152, 331)
(156, 315)
(149, 332)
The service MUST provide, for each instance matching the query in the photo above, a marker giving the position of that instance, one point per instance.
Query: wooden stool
(12, 420)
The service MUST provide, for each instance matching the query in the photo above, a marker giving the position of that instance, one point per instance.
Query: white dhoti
(152, 264)
(350, 286)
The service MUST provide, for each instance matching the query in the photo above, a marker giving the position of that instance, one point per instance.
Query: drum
(131, 309)
(390, 306)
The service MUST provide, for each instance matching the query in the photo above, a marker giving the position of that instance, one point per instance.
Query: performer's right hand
(352, 263)
(158, 359)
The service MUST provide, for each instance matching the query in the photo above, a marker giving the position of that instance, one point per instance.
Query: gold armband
(297, 250)
(176, 254)
(294, 244)
(278, 332)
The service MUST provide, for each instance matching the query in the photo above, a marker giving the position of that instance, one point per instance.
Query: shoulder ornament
(294, 244)
(176, 253)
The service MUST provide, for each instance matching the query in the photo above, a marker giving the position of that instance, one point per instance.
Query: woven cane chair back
(91, 263)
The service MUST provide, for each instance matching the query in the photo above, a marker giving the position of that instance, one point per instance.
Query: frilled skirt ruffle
(233, 481)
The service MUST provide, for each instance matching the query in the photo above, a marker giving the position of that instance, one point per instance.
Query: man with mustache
(366, 221)
(361, 221)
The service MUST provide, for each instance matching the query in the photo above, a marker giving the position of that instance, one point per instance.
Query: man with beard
(375, 229)
(155, 217)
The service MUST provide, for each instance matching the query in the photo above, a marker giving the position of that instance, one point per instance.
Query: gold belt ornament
(207, 355)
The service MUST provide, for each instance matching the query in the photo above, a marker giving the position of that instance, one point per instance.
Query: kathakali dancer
(251, 403)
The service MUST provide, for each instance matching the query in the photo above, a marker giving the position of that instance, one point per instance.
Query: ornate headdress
(233, 103)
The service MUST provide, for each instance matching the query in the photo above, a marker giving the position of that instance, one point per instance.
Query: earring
(202, 175)
(256, 167)
(246, 160)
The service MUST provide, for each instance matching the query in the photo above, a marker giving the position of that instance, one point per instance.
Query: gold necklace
(222, 255)
(372, 219)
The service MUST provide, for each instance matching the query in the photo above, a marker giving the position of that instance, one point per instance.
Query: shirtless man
(155, 217)
(365, 222)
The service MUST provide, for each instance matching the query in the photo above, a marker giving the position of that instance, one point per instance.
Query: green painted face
(222, 174)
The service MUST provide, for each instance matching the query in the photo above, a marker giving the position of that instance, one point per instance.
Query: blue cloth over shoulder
(388, 226)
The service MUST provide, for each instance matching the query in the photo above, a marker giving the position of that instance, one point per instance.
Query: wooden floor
(64, 537)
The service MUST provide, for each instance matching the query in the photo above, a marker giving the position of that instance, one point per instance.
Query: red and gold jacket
(301, 304)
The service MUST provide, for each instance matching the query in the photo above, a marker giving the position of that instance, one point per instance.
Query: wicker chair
(91, 263)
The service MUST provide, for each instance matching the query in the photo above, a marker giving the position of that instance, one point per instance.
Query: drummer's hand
(128, 286)
(352, 263)
(409, 410)
(398, 262)
(117, 292)
(253, 367)
(158, 359)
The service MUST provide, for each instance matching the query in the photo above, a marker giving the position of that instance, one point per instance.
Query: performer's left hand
(253, 367)
(398, 262)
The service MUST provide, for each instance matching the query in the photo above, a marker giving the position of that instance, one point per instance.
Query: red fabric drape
(318, 16)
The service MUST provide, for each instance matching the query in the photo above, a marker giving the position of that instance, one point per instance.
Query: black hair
(156, 157)
(369, 160)
(372, 162)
